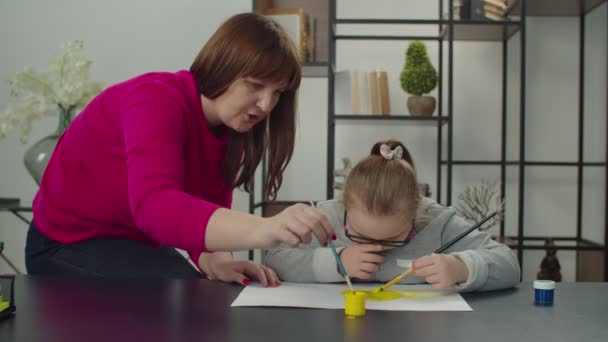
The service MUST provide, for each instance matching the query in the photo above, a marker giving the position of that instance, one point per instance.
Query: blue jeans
(103, 257)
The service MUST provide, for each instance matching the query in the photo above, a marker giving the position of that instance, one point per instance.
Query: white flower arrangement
(64, 89)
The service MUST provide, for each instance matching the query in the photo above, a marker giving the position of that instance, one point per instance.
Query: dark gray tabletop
(138, 310)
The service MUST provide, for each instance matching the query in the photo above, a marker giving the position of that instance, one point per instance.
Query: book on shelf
(495, 9)
(385, 104)
(346, 91)
(374, 95)
(365, 105)
(361, 92)
(476, 10)
(481, 9)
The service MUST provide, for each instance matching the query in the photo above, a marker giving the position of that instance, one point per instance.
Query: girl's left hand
(222, 266)
(442, 271)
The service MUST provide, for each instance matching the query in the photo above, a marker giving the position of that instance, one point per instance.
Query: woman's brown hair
(251, 45)
(384, 187)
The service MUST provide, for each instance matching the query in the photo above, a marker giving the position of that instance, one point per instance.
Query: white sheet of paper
(328, 296)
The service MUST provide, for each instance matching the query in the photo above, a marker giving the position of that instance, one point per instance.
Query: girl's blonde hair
(384, 186)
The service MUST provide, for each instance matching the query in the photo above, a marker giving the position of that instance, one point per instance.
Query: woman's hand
(442, 271)
(222, 266)
(362, 261)
(295, 225)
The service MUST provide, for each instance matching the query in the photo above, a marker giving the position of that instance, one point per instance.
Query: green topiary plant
(418, 76)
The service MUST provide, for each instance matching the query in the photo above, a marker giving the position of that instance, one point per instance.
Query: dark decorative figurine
(549, 266)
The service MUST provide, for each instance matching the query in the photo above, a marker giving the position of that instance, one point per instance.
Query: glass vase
(38, 155)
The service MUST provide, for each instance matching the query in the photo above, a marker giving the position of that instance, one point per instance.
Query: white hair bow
(389, 154)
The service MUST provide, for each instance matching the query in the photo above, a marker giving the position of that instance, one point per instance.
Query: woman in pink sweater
(150, 165)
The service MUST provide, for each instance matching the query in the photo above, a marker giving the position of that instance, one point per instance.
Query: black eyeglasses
(389, 243)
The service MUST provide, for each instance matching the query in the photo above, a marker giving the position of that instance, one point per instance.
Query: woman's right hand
(295, 225)
(362, 261)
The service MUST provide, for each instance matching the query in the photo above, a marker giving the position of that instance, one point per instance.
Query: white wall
(125, 49)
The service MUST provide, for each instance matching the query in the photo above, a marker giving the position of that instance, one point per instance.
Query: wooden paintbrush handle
(397, 279)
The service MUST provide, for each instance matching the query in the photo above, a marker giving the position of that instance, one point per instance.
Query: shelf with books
(498, 9)
(557, 8)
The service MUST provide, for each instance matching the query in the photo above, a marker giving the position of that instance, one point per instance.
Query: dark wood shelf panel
(478, 162)
(444, 22)
(9, 202)
(271, 208)
(13, 205)
(318, 69)
(407, 119)
(475, 30)
(557, 8)
(369, 21)
(560, 243)
(483, 30)
(356, 37)
(556, 163)
(282, 203)
(526, 163)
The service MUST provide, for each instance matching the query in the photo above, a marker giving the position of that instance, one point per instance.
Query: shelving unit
(450, 31)
(587, 251)
(585, 248)
(334, 118)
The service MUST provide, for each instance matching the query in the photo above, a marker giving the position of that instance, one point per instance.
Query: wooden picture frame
(293, 21)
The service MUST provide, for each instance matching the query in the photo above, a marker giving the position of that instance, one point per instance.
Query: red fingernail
(333, 237)
(246, 281)
(324, 244)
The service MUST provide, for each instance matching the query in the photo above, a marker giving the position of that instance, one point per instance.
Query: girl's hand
(295, 225)
(362, 261)
(222, 266)
(442, 271)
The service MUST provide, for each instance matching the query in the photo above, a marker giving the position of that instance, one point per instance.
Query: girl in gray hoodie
(383, 225)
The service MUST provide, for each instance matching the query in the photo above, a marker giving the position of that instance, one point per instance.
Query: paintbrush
(439, 250)
(338, 260)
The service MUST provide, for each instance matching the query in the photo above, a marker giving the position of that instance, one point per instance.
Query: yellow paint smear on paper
(393, 295)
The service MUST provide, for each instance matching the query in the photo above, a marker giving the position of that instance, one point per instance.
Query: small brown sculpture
(549, 266)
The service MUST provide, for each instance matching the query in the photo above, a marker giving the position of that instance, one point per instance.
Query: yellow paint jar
(354, 303)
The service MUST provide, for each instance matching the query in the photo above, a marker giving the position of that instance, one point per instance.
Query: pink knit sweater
(139, 162)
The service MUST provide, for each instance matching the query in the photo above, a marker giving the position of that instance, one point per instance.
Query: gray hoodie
(491, 265)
